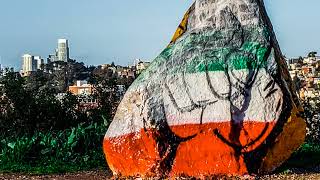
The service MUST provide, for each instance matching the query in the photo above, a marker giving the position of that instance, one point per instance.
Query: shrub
(312, 117)
(79, 147)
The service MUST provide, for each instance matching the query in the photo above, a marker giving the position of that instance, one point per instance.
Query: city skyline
(102, 32)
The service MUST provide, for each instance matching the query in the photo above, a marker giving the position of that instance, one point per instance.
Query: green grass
(80, 149)
(51, 167)
(74, 149)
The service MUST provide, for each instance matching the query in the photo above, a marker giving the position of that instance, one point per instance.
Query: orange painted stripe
(136, 154)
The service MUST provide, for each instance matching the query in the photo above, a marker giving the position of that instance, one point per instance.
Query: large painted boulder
(218, 100)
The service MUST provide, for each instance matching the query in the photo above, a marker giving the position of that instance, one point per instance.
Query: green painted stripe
(250, 55)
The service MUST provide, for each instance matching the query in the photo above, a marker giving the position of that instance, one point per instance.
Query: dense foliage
(27, 109)
(312, 117)
(72, 149)
(44, 132)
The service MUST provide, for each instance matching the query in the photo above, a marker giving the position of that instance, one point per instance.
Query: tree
(312, 117)
(105, 93)
(297, 83)
(300, 60)
(28, 108)
(312, 54)
(17, 99)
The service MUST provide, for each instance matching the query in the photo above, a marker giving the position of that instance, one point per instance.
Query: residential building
(29, 65)
(311, 60)
(81, 88)
(306, 75)
(84, 93)
(110, 67)
(126, 73)
(141, 66)
(87, 102)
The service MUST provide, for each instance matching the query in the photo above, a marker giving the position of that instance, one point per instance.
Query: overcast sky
(102, 31)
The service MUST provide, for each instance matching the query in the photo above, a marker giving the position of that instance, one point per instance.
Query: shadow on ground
(305, 160)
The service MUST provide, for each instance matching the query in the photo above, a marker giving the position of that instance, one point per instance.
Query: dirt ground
(70, 176)
(97, 175)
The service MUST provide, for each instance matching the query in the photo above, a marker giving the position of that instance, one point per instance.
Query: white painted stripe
(259, 109)
(134, 109)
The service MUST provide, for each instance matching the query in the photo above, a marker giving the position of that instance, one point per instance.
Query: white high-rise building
(0, 63)
(29, 65)
(39, 61)
(1, 71)
(63, 50)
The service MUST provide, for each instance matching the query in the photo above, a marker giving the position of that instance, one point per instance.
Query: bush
(312, 117)
(307, 156)
(42, 132)
(76, 148)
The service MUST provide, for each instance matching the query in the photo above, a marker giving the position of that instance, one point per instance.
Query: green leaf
(45, 151)
(86, 158)
(71, 137)
(106, 122)
(54, 143)
(12, 145)
(74, 144)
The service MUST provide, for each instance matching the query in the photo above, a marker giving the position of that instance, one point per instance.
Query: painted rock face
(217, 100)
